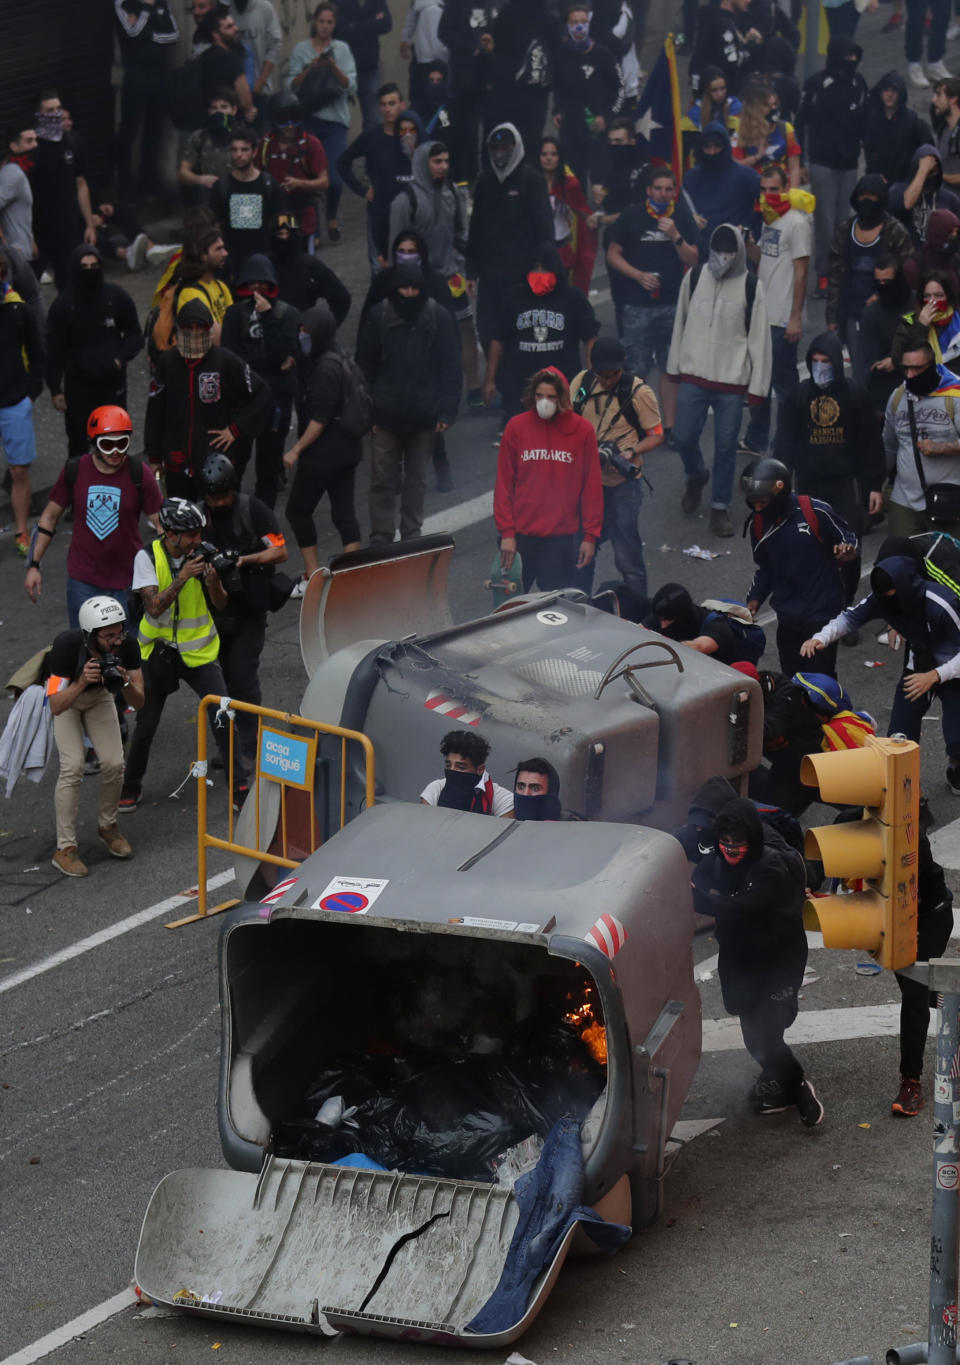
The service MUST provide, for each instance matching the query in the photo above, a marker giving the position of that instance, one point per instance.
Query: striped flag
(658, 114)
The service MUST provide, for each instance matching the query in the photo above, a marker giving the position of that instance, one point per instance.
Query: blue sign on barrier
(287, 758)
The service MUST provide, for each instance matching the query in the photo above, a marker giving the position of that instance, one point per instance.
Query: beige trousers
(95, 712)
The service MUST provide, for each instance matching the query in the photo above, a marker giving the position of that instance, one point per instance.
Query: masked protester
(830, 127)
(878, 327)
(519, 73)
(93, 333)
(304, 280)
(921, 434)
(674, 613)
(829, 436)
(62, 211)
(206, 156)
(536, 791)
(892, 131)
(203, 398)
(721, 44)
(938, 311)
(587, 89)
(720, 352)
(723, 190)
(466, 784)
(939, 251)
(858, 243)
(914, 199)
(797, 549)
(511, 216)
(753, 884)
(296, 161)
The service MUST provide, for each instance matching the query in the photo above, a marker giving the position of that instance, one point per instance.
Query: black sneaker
(693, 491)
(129, 801)
(767, 1097)
(808, 1106)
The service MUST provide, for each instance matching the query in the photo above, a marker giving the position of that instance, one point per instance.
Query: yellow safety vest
(186, 624)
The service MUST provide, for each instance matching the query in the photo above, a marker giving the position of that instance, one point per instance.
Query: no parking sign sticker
(350, 895)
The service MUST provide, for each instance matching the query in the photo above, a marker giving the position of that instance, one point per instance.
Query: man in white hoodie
(720, 350)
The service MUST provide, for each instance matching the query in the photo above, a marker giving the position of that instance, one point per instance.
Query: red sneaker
(909, 1101)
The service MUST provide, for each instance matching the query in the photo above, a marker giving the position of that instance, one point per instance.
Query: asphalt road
(777, 1244)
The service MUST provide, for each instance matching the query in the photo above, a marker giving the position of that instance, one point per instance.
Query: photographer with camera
(179, 587)
(245, 544)
(88, 668)
(624, 412)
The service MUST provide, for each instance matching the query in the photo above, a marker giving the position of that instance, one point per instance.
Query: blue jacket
(924, 613)
(723, 191)
(797, 569)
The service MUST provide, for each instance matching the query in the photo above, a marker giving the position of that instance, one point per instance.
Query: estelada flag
(658, 114)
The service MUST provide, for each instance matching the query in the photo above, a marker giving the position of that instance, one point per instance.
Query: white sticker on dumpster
(351, 895)
(476, 922)
(551, 618)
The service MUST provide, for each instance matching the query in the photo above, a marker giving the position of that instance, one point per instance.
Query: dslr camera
(610, 458)
(110, 674)
(225, 563)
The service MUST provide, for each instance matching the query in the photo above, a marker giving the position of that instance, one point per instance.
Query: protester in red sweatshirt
(548, 491)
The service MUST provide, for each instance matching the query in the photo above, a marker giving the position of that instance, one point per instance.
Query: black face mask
(869, 213)
(712, 162)
(922, 384)
(536, 807)
(89, 281)
(458, 791)
(285, 247)
(408, 309)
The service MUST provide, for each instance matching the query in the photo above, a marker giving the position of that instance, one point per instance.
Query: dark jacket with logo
(796, 565)
(412, 367)
(189, 399)
(833, 109)
(264, 340)
(89, 331)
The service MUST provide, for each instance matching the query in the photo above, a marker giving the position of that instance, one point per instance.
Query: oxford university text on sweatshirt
(548, 478)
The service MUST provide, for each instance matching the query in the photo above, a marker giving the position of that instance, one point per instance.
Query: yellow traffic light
(880, 849)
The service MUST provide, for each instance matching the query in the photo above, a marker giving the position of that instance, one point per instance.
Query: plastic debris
(809, 977)
(32, 869)
(874, 663)
(515, 1358)
(864, 1125)
(666, 549)
(868, 969)
(695, 552)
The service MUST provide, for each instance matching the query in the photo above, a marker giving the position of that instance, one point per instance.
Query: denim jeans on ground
(693, 407)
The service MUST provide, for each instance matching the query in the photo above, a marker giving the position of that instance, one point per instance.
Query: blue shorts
(16, 433)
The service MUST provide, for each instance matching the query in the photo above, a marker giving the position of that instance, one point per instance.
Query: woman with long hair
(938, 310)
(761, 139)
(323, 75)
(576, 242)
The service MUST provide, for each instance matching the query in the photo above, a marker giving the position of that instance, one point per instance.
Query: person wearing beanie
(409, 352)
(548, 495)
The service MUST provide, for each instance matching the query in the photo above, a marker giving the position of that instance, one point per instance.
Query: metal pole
(811, 38)
(942, 1336)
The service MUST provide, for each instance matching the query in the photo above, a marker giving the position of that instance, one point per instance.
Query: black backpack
(623, 395)
(72, 467)
(356, 407)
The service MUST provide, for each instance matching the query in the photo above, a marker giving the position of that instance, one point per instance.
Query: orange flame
(591, 1031)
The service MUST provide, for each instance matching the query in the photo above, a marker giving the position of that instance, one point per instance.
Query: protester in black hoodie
(674, 613)
(830, 127)
(753, 886)
(361, 24)
(858, 243)
(920, 193)
(92, 335)
(723, 40)
(410, 355)
(587, 89)
(892, 131)
(302, 279)
(262, 330)
(524, 36)
(465, 31)
(511, 217)
(878, 327)
(543, 321)
(536, 791)
(325, 457)
(828, 436)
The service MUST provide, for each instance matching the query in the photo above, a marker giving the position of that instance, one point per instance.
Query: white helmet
(100, 611)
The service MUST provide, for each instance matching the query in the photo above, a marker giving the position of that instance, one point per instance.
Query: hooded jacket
(90, 330)
(720, 44)
(889, 143)
(711, 346)
(325, 390)
(925, 614)
(511, 216)
(939, 251)
(937, 416)
(411, 364)
(696, 836)
(757, 904)
(461, 27)
(688, 620)
(932, 196)
(264, 340)
(548, 477)
(303, 280)
(585, 79)
(833, 109)
(361, 24)
(830, 435)
(21, 349)
(894, 240)
(439, 212)
(722, 189)
(525, 35)
(537, 330)
(795, 568)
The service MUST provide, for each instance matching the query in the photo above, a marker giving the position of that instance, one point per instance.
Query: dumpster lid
(313, 1247)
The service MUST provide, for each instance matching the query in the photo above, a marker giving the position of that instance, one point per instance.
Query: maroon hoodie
(548, 477)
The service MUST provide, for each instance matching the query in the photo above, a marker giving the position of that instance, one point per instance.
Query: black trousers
(933, 935)
(315, 476)
(767, 1006)
(790, 636)
(143, 107)
(270, 445)
(548, 561)
(207, 678)
(240, 648)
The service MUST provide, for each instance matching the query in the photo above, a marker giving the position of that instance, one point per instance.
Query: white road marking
(684, 1131)
(813, 1026)
(945, 845)
(124, 926)
(456, 518)
(93, 1317)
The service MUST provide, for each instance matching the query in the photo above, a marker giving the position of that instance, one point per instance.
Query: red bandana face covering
(542, 281)
(731, 852)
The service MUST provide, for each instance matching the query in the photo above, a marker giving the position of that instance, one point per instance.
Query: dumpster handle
(663, 1075)
(615, 671)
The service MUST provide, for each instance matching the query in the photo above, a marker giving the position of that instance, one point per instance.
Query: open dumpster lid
(311, 1248)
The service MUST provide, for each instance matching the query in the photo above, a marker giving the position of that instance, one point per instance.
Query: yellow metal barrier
(297, 737)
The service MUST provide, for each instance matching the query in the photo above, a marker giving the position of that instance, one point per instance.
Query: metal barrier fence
(286, 757)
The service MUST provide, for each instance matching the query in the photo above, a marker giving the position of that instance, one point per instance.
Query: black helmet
(285, 108)
(760, 477)
(217, 475)
(179, 514)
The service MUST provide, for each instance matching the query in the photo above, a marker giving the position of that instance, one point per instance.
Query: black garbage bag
(308, 1140)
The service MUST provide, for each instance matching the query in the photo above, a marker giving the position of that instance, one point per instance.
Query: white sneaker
(137, 251)
(160, 255)
(300, 587)
(938, 71)
(916, 77)
(953, 32)
(46, 277)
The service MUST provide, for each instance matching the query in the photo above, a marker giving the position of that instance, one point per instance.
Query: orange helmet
(109, 421)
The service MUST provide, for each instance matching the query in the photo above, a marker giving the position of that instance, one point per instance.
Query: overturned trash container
(440, 1024)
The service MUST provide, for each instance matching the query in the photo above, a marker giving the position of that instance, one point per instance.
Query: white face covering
(546, 408)
(720, 262)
